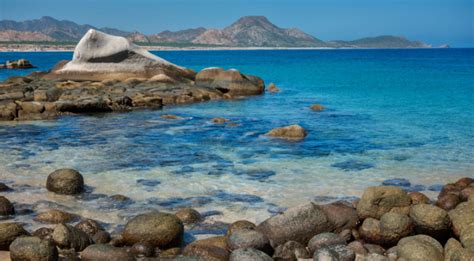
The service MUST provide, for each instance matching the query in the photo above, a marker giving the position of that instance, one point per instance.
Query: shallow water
(390, 114)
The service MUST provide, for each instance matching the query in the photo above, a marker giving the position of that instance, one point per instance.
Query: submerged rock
(65, 181)
(292, 132)
(317, 107)
(272, 88)
(33, 249)
(157, 229)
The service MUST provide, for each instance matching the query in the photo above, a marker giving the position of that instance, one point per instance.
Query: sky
(433, 21)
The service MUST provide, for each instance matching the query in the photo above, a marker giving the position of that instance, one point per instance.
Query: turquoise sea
(390, 114)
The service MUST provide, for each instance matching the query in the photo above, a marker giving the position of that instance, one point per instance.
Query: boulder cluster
(18, 64)
(109, 73)
(386, 223)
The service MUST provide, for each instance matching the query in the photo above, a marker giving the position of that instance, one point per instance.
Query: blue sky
(432, 21)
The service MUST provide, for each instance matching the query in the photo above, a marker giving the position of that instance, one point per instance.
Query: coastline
(4, 48)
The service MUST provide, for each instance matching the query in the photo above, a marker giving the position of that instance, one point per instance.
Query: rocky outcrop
(18, 64)
(292, 132)
(109, 73)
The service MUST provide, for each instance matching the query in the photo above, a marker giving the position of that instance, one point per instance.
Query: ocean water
(390, 114)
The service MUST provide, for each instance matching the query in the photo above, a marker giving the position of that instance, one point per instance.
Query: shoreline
(70, 48)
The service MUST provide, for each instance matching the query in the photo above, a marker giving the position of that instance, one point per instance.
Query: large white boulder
(100, 56)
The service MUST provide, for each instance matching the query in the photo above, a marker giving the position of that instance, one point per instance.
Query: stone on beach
(249, 254)
(291, 251)
(240, 225)
(323, 240)
(55, 216)
(292, 132)
(105, 252)
(334, 253)
(4, 187)
(298, 224)
(156, 228)
(249, 239)
(65, 181)
(9, 232)
(89, 226)
(431, 220)
(214, 248)
(67, 237)
(342, 215)
(189, 216)
(376, 201)
(33, 249)
(6, 207)
(420, 247)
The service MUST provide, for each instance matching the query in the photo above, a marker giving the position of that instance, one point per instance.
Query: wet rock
(249, 239)
(431, 220)
(292, 132)
(142, 249)
(291, 251)
(418, 197)
(101, 237)
(240, 225)
(249, 254)
(174, 251)
(170, 117)
(119, 198)
(157, 229)
(43, 233)
(219, 120)
(33, 249)
(6, 207)
(342, 215)
(334, 253)
(9, 232)
(65, 181)
(89, 226)
(370, 230)
(54, 216)
(189, 216)
(323, 240)
(393, 227)
(298, 224)
(105, 252)
(66, 236)
(4, 187)
(230, 82)
(464, 182)
(379, 200)
(212, 249)
(420, 247)
(448, 201)
(317, 107)
(453, 250)
(358, 248)
(18, 64)
(117, 240)
(273, 88)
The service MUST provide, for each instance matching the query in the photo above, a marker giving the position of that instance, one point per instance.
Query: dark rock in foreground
(109, 73)
(6, 207)
(32, 249)
(9, 232)
(65, 181)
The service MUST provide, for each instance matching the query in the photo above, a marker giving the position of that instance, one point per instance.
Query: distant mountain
(248, 31)
(384, 41)
(258, 31)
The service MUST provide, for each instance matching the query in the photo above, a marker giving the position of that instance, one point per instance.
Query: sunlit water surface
(390, 114)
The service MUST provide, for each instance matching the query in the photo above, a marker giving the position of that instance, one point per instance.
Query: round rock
(6, 207)
(431, 220)
(158, 229)
(55, 216)
(101, 237)
(249, 254)
(89, 226)
(33, 249)
(240, 225)
(189, 216)
(249, 239)
(105, 252)
(142, 249)
(323, 240)
(9, 232)
(291, 251)
(334, 253)
(65, 181)
(67, 237)
(376, 201)
(43, 233)
(393, 227)
(420, 247)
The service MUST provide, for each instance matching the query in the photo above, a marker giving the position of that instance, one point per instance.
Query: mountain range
(248, 31)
